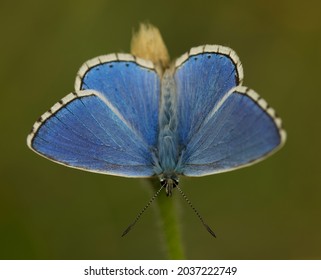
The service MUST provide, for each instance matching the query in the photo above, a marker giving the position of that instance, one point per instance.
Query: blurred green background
(268, 211)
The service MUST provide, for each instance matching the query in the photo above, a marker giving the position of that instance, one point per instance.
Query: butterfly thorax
(167, 148)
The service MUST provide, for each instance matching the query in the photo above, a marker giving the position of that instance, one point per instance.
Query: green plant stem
(169, 223)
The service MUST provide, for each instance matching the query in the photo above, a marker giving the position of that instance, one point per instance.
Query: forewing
(202, 77)
(131, 85)
(240, 130)
(85, 131)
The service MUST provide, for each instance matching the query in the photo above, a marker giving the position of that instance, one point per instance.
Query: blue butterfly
(128, 118)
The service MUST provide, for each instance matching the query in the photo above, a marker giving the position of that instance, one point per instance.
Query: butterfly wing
(130, 84)
(203, 76)
(229, 125)
(91, 129)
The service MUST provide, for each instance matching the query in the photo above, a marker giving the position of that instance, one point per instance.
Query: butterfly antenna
(196, 212)
(141, 212)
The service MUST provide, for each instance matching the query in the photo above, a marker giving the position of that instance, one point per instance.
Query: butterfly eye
(163, 182)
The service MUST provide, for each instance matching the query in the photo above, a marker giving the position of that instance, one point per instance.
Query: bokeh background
(271, 210)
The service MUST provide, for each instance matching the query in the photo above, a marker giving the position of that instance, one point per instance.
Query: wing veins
(229, 156)
(121, 117)
(243, 138)
(99, 124)
(76, 152)
(75, 132)
(217, 106)
(107, 133)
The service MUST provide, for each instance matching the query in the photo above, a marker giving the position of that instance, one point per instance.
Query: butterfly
(131, 117)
